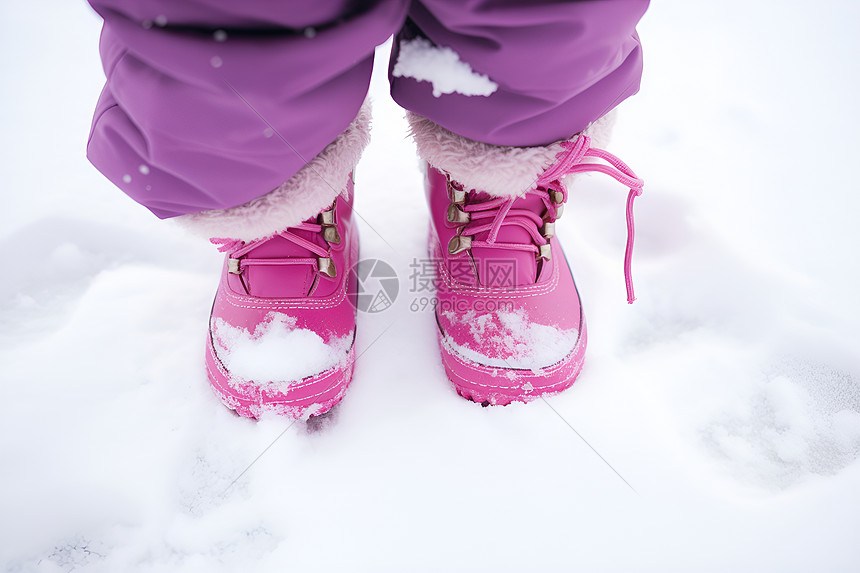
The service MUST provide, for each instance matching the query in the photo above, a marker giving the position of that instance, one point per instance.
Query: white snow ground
(727, 396)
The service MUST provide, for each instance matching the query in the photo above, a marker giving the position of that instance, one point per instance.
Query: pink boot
(282, 329)
(511, 326)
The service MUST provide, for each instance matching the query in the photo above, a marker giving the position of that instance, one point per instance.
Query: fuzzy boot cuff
(500, 171)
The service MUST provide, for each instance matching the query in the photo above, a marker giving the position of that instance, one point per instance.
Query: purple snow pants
(196, 88)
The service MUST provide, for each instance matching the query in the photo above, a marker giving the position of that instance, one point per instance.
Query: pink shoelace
(502, 212)
(238, 249)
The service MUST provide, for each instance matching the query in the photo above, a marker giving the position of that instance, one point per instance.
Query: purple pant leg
(211, 103)
(559, 65)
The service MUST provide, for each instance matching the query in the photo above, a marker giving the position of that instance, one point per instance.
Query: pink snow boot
(511, 326)
(282, 329)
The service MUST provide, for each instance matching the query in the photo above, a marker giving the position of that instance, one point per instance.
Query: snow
(523, 344)
(801, 421)
(727, 395)
(442, 67)
(277, 353)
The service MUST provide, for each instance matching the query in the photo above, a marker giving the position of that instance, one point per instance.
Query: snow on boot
(510, 321)
(282, 329)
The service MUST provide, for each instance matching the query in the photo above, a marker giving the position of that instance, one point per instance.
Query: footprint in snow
(803, 420)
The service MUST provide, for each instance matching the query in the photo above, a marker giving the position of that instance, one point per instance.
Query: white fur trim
(498, 170)
(306, 193)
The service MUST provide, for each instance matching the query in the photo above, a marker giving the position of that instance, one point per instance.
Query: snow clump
(442, 67)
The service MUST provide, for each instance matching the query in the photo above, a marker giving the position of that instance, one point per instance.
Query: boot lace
(323, 264)
(491, 215)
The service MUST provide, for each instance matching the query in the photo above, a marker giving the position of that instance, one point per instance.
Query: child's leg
(209, 104)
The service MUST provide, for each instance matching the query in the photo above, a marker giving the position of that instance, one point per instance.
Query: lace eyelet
(326, 219)
(325, 265)
(548, 230)
(545, 252)
(459, 243)
(456, 215)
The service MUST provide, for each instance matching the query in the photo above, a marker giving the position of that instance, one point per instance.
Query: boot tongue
(282, 281)
(507, 268)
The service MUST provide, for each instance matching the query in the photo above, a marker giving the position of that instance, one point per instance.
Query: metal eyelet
(457, 215)
(548, 230)
(545, 252)
(326, 217)
(459, 243)
(326, 220)
(326, 266)
(456, 193)
(331, 235)
(557, 198)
